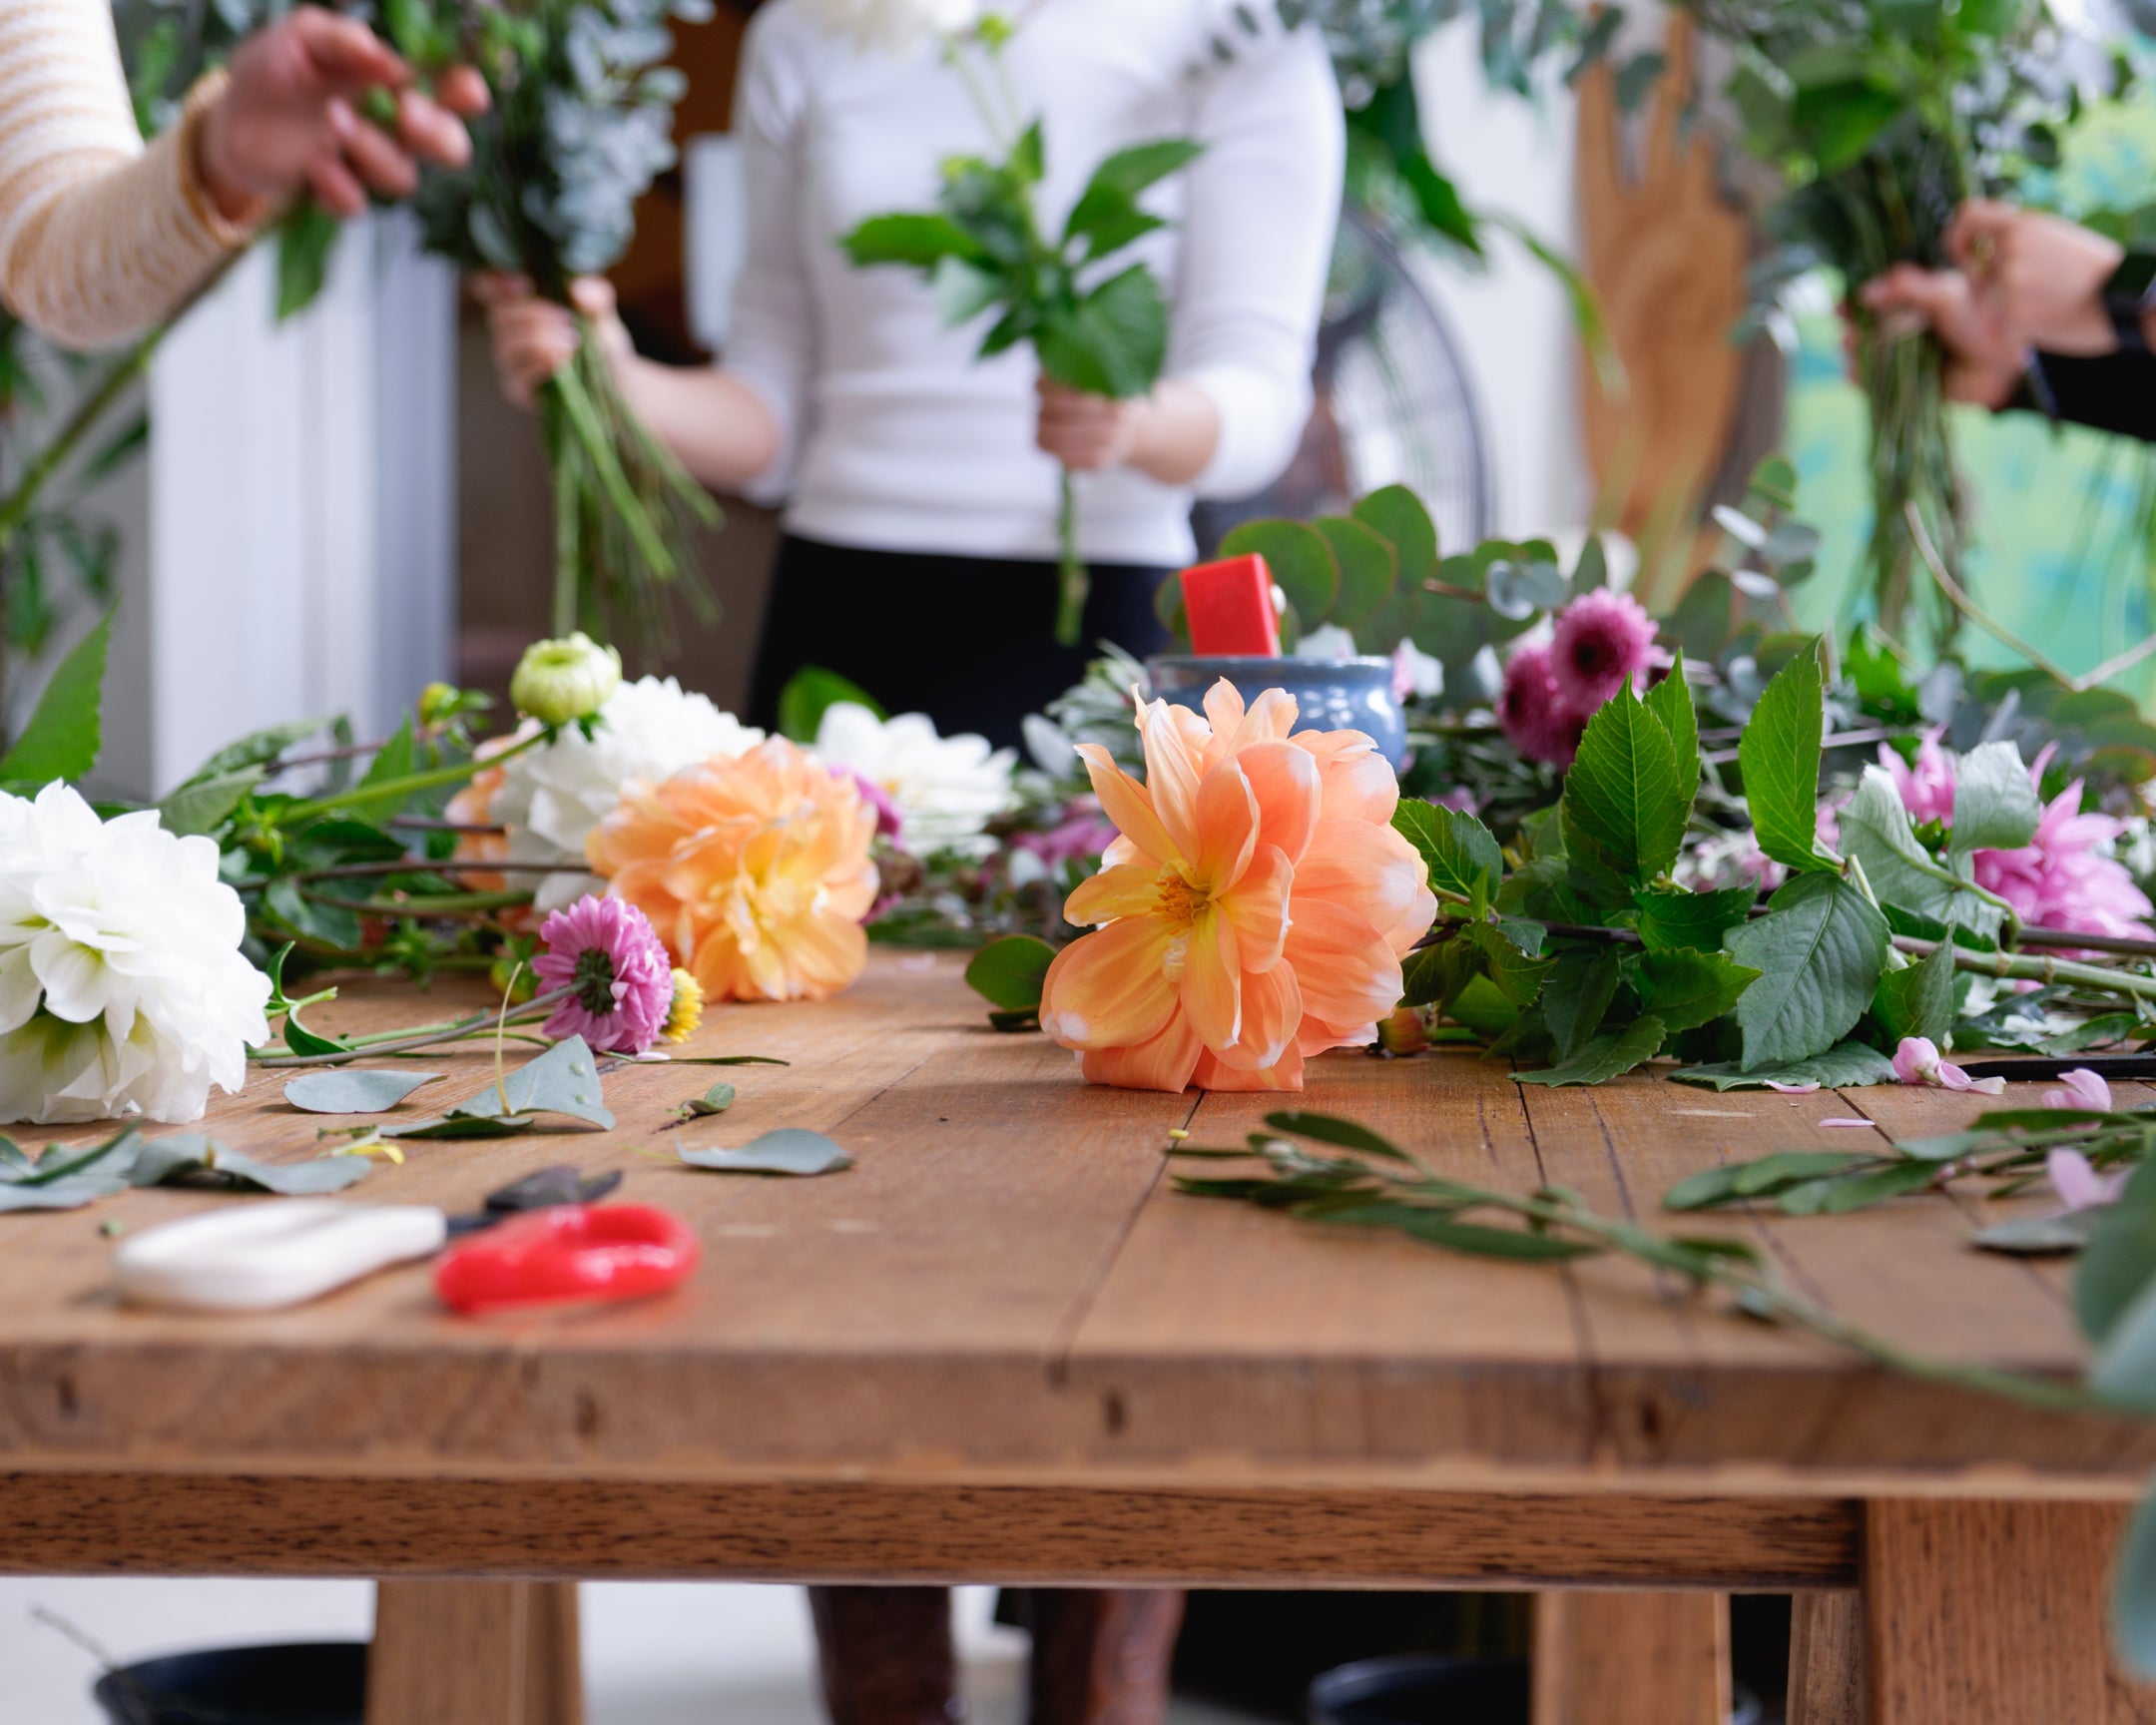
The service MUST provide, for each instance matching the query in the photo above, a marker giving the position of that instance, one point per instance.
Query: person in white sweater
(920, 485)
(100, 236)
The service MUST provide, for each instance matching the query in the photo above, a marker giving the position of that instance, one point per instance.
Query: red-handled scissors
(602, 1252)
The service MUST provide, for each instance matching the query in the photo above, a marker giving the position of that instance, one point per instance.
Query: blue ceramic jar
(1331, 695)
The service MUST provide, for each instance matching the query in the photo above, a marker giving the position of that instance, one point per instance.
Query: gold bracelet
(226, 231)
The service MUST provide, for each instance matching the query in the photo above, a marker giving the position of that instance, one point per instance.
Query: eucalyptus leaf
(789, 1150)
(2042, 1236)
(461, 1126)
(195, 1158)
(563, 1080)
(716, 1100)
(70, 1194)
(345, 1091)
(1819, 951)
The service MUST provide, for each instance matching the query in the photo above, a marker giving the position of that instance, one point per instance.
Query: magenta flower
(1919, 1061)
(1604, 640)
(2074, 1178)
(621, 981)
(1081, 836)
(889, 819)
(2081, 1089)
(1538, 720)
(1928, 789)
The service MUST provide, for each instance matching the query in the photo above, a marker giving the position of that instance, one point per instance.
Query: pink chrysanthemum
(1926, 789)
(889, 819)
(1541, 725)
(1603, 641)
(621, 981)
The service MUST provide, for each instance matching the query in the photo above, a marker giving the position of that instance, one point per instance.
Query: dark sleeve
(2114, 392)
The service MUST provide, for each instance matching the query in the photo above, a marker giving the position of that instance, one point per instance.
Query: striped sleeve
(100, 237)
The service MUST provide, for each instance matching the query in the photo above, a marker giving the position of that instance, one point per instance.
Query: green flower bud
(558, 682)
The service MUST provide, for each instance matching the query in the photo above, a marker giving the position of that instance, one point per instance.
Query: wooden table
(1001, 1349)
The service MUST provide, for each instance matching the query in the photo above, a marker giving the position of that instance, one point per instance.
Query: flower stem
(396, 789)
(1073, 582)
(398, 1041)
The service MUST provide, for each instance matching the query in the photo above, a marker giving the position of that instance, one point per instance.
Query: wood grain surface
(1006, 1288)
(1631, 1659)
(1827, 1680)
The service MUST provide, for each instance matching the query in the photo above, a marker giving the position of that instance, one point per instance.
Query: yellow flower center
(1179, 901)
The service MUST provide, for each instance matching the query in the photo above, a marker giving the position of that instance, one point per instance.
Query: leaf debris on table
(345, 1091)
(789, 1150)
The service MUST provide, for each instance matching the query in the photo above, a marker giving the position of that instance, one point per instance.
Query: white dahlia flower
(551, 797)
(947, 788)
(893, 26)
(121, 986)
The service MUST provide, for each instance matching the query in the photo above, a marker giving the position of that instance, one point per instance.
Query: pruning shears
(543, 1238)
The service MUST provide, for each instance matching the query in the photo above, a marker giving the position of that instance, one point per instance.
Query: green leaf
(1113, 342)
(1875, 831)
(257, 748)
(2125, 1365)
(461, 1126)
(2133, 1593)
(1686, 989)
(1330, 1129)
(563, 1080)
(1670, 918)
(1622, 793)
(64, 736)
(1030, 155)
(1918, 999)
(1577, 995)
(305, 241)
(963, 289)
(1367, 571)
(809, 691)
(2041, 1235)
(1009, 972)
(1397, 516)
(1472, 1238)
(1995, 805)
(1842, 1196)
(2121, 1259)
(1819, 951)
(1107, 221)
(195, 1159)
(1780, 755)
(789, 1150)
(1459, 850)
(205, 806)
(1133, 169)
(919, 241)
(349, 1092)
(70, 1194)
(1484, 1008)
(1845, 1066)
(1762, 1177)
(1301, 561)
(1518, 975)
(1671, 701)
(716, 1100)
(1843, 120)
(1605, 1057)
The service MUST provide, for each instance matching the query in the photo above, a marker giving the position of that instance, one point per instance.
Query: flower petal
(1224, 708)
(1128, 889)
(1375, 869)
(1345, 967)
(1173, 770)
(1227, 828)
(1212, 990)
(1214, 1074)
(1272, 1022)
(1358, 782)
(1258, 906)
(1129, 805)
(1285, 780)
(1165, 1062)
(1110, 990)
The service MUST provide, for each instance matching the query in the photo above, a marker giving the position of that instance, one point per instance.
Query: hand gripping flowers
(1255, 910)
(121, 986)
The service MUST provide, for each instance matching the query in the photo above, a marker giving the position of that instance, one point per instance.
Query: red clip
(1230, 607)
(575, 1252)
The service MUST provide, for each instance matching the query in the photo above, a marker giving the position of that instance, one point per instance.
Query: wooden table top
(1005, 1288)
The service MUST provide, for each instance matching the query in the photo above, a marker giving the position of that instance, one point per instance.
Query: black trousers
(969, 641)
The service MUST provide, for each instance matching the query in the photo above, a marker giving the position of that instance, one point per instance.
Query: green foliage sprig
(1094, 328)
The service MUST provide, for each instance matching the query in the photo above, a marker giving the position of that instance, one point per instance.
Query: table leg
(1993, 1611)
(1101, 1655)
(474, 1653)
(1826, 1660)
(1631, 1659)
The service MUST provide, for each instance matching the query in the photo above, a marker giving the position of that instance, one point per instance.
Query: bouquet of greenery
(1097, 330)
(577, 131)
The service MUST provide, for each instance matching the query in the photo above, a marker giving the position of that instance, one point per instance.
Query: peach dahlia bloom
(753, 869)
(1255, 910)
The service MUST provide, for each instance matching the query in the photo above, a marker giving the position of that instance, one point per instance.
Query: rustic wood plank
(450, 1654)
(1993, 1611)
(1827, 1683)
(554, 1655)
(1631, 1659)
(69, 1523)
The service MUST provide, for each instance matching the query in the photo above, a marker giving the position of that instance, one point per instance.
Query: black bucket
(1435, 1689)
(304, 1683)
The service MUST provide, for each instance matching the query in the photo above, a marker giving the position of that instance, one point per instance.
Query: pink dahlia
(620, 979)
(889, 819)
(1603, 641)
(1928, 789)
(1538, 720)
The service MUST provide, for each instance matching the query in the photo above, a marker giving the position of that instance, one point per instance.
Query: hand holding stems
(2021, 281)
(289, 119)
(534, 339)
(1169, 434)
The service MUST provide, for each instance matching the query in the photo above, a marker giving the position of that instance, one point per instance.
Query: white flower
(1328, 643)
(1416, 673)
(552, 796)
(121, 986)
(893, 26)
(947, 788)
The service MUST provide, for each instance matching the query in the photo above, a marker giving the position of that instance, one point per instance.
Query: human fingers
(430, 130)
(527, 353)
(1978, 228)
(344, 51)
(492, 287)
(462, 91)
(372, 154)
(333, 185)
(593, 295)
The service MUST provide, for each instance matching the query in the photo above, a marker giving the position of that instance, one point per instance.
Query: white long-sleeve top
(893, 436)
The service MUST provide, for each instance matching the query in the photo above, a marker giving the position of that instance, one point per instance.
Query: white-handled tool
(265, 1256)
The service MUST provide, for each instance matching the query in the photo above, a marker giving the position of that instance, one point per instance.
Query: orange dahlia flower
(755, 871)
(474, 807)
(1255, 910)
